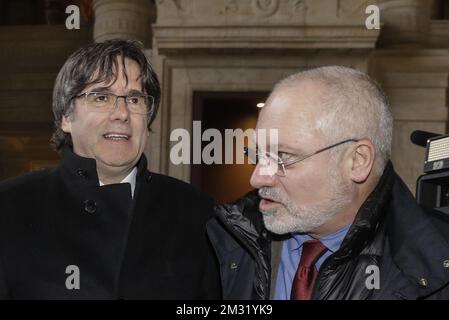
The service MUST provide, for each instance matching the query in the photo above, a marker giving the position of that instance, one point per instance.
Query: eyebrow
(99, 89)
(108, 90)
(285, 149)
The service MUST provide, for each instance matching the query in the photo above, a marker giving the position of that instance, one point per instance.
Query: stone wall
(227, 45)
(247, 45)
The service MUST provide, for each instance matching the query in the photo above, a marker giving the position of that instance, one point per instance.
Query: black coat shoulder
(27, 181)
(178, 188)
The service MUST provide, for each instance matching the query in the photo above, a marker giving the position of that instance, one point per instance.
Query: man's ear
(66, 124)
(362, 160)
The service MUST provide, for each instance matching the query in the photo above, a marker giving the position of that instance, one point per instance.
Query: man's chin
(117, 159)
(273, 224)
(281, 229)
(116, 163)
(277, 222)
(276, 229)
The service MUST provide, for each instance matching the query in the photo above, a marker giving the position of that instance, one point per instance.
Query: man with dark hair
(100, 225)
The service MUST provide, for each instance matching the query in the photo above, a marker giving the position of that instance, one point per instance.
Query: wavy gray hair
(353, 106)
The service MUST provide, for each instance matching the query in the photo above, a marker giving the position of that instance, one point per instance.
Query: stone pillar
(405, 22)
(416, 83)
(125, 19)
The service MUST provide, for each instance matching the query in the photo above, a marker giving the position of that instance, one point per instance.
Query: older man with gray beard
(332, 220)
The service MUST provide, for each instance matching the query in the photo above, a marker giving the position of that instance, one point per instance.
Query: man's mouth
(116, 136)
(266, 203)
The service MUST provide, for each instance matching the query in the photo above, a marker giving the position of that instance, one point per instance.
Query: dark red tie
(307, 272)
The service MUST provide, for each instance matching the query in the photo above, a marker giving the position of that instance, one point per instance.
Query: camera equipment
(432, 188)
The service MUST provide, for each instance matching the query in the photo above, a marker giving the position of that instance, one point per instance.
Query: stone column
(125, 19)
(405, 22)
(416, 83)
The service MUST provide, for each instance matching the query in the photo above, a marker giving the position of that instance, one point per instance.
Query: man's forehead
(292, 110)
(286, 140)
(288, 113)
(290, 137)
(300, 95)
(130, 73)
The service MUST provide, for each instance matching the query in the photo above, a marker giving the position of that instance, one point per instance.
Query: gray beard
(289, 218)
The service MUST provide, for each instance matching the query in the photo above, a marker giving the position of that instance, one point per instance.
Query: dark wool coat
(152, 246)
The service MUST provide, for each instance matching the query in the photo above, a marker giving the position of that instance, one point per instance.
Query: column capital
(124, 19)
(405, 22)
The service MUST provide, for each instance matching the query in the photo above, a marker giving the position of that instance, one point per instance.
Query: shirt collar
(130, 178)
(331, 241)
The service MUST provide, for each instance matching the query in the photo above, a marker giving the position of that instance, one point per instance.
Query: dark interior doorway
(225, 110)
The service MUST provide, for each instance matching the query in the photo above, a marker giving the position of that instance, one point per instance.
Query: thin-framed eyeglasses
(275, 160)
(138, 103)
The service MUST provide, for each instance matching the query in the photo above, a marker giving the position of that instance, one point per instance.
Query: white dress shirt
(130, 178)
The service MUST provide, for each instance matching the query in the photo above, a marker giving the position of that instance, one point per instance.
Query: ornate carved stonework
(249, 12)
(262, 24)
(265, 8)
(230, 6)
(350, 8)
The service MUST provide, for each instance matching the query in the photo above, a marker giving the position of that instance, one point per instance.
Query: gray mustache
(270, 193)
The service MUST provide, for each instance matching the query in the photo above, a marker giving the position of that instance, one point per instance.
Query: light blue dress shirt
(291, 255)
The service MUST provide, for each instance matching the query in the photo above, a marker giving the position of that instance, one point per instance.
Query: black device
(432, 188)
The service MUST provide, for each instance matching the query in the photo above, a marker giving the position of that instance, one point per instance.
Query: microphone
(420, 138)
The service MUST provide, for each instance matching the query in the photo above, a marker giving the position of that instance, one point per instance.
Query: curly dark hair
(95, 63)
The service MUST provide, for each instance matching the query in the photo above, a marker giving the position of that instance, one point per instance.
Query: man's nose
(120, 110)
(261, 178)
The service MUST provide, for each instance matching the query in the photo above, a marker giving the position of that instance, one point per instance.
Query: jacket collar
(243, 220)
(368, 220)
(85, 169)
(417, 246)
